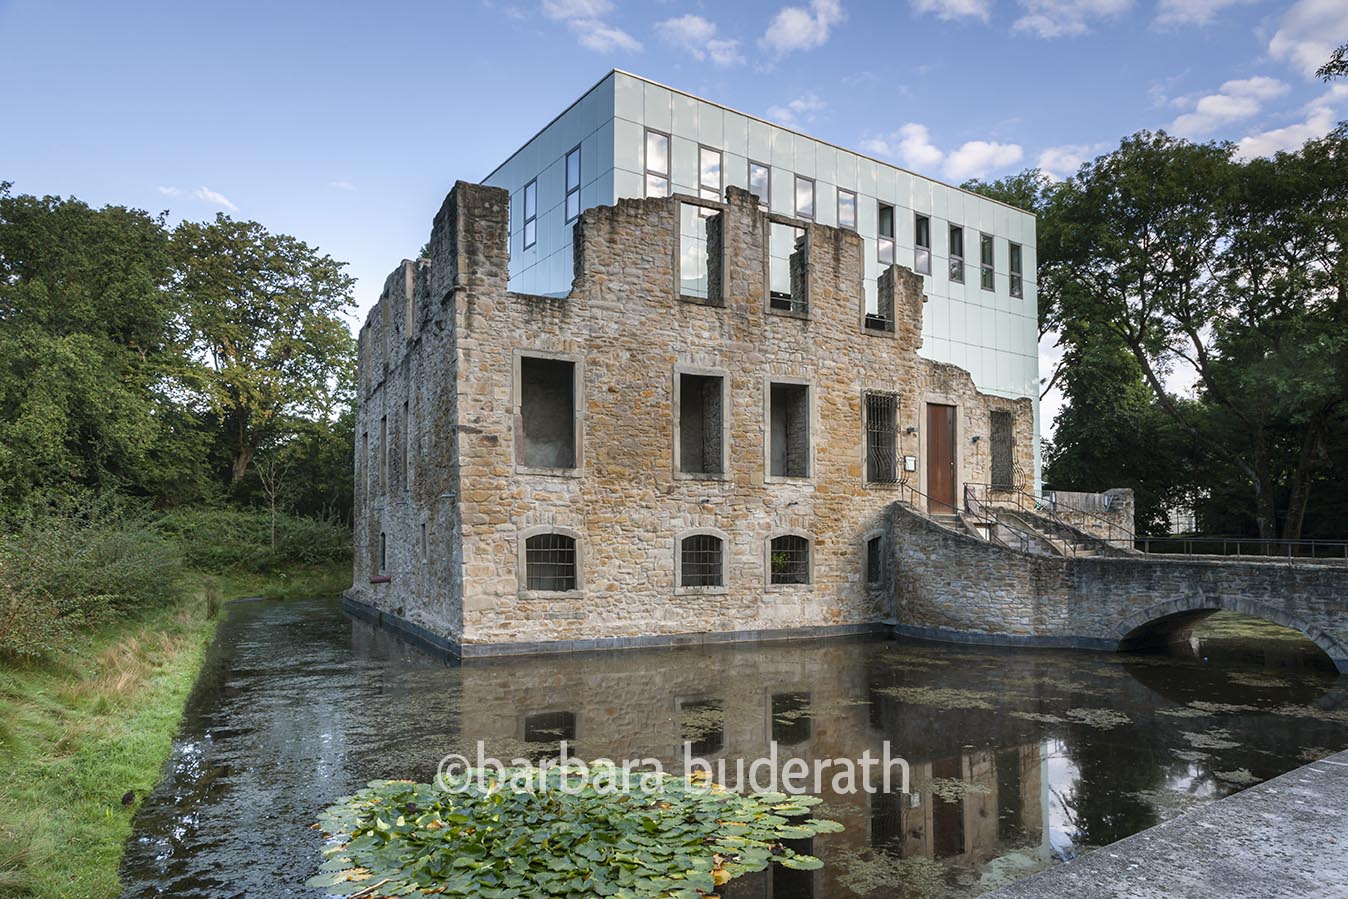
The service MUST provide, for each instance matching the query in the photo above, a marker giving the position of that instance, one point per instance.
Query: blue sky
(346, 124)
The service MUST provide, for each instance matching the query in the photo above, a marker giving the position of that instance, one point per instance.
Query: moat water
(1018, 759)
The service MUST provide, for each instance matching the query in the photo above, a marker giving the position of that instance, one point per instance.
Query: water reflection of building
(815, 701)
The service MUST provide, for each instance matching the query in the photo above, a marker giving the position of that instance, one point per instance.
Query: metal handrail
(1025, 538)
(1049, 509)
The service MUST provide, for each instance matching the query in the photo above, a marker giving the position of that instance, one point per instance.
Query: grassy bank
(84, 726)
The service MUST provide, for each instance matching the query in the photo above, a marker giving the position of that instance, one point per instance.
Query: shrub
(235, 540)
(60, 572)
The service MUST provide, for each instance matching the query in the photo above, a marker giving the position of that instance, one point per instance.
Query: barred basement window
(701, 558)
(789, 560)
(550, 562)
(1003, 467)
(874, 559)
(882, 433)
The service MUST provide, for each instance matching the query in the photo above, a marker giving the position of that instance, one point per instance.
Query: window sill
(790, 588)
(803, 314)
(701, 301)
(883, 485)
(550, 472)
(803, 480)
(380, 579)
(701, 591)
(578, 593)
(700, 476)
(891, 333)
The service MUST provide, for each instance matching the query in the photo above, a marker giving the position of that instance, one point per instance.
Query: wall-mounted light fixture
(975, 438)
(910, 430)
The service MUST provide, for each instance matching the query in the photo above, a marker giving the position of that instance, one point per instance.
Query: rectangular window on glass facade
(957, 254)
(699, 253)
(922, 245)
(531, 213)
(786, 268)
(701, 424)
(882, 438)
(572, 185)
(847, 209)
(804, 198)
(709, 175)
(657, 164)
(760, 183)
(1017, 272)
(985, 269)
(884, 230)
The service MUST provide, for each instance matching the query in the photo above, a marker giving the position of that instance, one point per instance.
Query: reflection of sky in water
(1017, 757)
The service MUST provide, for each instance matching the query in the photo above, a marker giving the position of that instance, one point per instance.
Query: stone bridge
(952, 586)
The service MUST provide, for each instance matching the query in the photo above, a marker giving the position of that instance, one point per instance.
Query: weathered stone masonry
(444, 500)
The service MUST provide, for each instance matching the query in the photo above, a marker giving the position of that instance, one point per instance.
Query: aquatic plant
(558, 832)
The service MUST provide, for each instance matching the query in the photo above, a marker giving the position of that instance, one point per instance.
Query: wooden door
(941, 457)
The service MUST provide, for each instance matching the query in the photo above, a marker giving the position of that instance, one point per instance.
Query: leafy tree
(88, 371)
(263, 315)
(1337, 66)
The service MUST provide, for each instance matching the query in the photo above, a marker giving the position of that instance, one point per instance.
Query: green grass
(80, 729)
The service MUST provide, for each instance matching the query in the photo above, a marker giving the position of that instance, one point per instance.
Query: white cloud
(980, 158)
(341, 184)
(912, 145)
(169, 191)
(950, 10)
(1060, 162)
(1309, 32)
(1320, 120)
(1067, 18)
(1191, 12)
(800, 110)
(215, 198)
(1234, 101)
(801, 28)
(584, 18)
(697, 37)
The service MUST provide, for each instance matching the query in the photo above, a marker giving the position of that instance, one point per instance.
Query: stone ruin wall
(628, 328)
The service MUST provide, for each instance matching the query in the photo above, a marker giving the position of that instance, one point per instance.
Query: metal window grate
(550, 562)
(882, 425)
(1003, 465)
(790, 560)
(700, 560)
(873, 548)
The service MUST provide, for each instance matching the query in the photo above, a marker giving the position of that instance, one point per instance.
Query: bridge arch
(1191, 606)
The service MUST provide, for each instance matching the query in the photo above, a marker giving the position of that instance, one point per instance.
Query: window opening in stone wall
(383, 454)
(699, 252)
(882, 437)
(657, 164)
(550, 562)
(789, 430)
(786, 268)
(405, 441)
(702, 724)
(789, 560)
(701, 424)
(547, 413)
(957, 254)
(365, 465)
(572, 185)
(922, 245)
(383, 552)
(708, 176)
(985, 264)
(847, 209)
(1017, 274)
(874, 559)
(884, 242)
(804, 198)
(882, 319)
(760, 183)
(701, 561)
(791, 721)
(548, 730)
(531, 213)
(425, 548)
(1003, 465)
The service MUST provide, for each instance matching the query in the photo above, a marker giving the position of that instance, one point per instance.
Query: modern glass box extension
(629, 137)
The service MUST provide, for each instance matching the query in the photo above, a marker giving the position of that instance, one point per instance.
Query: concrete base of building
(1286, 838)
(441, 645)
(981, 638)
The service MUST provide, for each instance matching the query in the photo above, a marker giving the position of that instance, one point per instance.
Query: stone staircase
(1027, 533)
